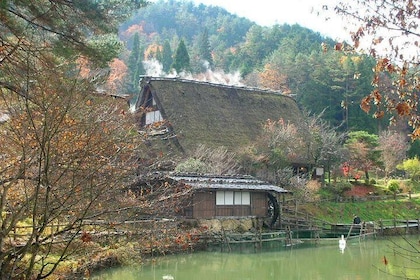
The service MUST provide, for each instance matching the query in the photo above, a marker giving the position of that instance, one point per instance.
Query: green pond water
(360, 260)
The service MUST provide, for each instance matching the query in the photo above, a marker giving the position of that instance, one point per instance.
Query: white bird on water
(168, 277)
(342, 244)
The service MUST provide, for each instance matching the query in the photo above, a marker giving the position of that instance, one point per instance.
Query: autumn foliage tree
(271, 78)
(117, 76)
(65, 148)
(66, 156)
(388, 31)
(393, 147)
(364, 154)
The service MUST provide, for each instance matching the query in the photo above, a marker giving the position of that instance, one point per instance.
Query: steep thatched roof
(213, 114)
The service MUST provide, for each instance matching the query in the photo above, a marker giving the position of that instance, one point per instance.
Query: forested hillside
(195, 39)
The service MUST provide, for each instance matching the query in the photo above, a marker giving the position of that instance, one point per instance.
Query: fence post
(381, 226)
(418, 224)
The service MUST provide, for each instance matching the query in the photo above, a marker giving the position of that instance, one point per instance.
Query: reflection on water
(359, 260)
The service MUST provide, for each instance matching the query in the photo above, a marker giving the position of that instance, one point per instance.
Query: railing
(400, 225)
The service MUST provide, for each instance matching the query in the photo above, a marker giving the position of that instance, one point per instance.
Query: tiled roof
(226, 182)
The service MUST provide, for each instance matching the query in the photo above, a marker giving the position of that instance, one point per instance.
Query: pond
(361, 259)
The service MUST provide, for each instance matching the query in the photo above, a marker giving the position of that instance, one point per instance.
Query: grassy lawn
(368, 210)
(338, 212)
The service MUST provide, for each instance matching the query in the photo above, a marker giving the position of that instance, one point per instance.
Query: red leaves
(86, 237)
(338, 47)
(346, 169)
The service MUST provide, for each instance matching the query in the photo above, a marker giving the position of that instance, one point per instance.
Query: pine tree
(135, 63)
(181, 59)
(204, 48)
(166, 56)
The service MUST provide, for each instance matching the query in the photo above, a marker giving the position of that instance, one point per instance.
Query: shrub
(341, 187)
(326, 193)
(393, 186)
(332, 191)
(192, 165)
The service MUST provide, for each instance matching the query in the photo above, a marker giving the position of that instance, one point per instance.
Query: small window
(228, 198)
(246, 198)
(220, 198)
(153, 116)
(242, 198)
(233, 198)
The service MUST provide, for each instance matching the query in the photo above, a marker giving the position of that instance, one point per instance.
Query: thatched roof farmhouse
(190, 113)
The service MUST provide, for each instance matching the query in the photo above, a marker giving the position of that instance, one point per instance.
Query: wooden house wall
(259, 203)
(204, 206)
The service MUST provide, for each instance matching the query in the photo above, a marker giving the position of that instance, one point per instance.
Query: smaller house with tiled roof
(216, 196)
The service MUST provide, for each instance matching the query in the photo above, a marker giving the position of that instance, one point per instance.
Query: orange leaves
(355, 36)
(365, 104)
(382, 64)
(272, 78)
(379, 114)
(135, 28)
(376, 98)
(391, 29)
(83, 66)
(415, 134)
(116, 76)
(402, 83)
(403, 109)
(152, 51)
(377, 40)
(410, 7)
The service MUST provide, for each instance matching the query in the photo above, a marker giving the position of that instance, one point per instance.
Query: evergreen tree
(182, 58)
(158, 55)
(135, 63)
(166, 56)
(204, 48)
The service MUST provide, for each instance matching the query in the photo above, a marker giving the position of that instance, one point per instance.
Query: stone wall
(231, 224)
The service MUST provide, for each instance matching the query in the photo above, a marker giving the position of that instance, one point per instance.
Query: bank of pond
(371, 257)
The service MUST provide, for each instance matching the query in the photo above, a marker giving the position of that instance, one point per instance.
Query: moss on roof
(217, 115)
